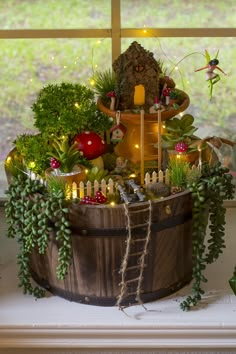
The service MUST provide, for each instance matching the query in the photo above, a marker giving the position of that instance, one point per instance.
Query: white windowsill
(53, 322)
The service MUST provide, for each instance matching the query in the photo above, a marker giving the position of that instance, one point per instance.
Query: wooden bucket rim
(138, 204)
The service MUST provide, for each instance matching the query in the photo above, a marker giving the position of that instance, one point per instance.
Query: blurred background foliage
(27, 65)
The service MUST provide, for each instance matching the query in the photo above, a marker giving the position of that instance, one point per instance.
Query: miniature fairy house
(134, 67)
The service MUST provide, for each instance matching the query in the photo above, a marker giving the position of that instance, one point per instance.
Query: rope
(141, 261)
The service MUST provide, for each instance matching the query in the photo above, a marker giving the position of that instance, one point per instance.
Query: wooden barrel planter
(99, 235)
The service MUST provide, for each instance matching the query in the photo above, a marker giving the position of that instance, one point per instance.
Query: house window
(68, 41)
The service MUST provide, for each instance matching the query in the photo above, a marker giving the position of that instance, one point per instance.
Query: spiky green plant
(179, 169)
(104, 82)
(66, 154)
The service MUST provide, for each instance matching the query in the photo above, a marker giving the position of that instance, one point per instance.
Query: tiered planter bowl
(128, 148)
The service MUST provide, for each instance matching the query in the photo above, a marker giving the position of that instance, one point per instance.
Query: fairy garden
(110, 184)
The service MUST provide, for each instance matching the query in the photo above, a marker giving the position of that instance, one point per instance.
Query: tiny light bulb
(32, 164)
(76, 105)
(8, 160)
(136, 146)
(112, 203)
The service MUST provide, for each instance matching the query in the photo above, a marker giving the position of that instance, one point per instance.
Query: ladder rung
(131, 293)
(132, 280)
(138, 240)
(136, 254)
(146, 224)
(135, 267)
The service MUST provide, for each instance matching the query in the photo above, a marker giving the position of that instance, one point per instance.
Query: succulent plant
(179, 134)
(65, 155)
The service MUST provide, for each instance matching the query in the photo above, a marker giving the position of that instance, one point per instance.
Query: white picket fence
(106, 187)
(90, 189)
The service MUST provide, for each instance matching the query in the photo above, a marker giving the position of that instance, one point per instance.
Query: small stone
(158, 189)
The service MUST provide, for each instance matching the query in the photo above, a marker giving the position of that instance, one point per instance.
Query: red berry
(181, 147)
(100, 197)
(54, 163)
(88, 200)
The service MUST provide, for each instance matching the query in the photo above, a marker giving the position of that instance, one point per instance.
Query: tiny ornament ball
(90, 144)
(54, 163)
(181, 147)
(100, 197)
(88, 200)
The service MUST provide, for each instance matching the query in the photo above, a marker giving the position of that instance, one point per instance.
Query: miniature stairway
(133, 264)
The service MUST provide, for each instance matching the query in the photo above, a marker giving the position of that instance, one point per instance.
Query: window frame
(116, 32)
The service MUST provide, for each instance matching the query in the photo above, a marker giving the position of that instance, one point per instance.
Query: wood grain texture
(98, 241)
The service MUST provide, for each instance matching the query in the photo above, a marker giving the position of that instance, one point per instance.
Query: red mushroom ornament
(181, 147)
(90, 144)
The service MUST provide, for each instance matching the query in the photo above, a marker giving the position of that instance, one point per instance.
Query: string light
(8, 160)
(32, 165)
(136, 146)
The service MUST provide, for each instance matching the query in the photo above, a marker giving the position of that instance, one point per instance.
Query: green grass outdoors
(28, 65)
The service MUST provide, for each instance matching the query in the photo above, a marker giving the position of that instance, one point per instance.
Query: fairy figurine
(211, 75)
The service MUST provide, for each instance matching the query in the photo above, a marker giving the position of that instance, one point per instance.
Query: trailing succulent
(208, 195)
(30, 211)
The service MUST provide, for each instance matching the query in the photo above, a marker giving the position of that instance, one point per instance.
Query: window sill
(53, 322)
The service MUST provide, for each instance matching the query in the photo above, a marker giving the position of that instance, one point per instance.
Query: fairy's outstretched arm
(217, 67)
(205, 67)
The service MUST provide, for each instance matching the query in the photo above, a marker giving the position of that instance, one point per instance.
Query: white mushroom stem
(112, 104)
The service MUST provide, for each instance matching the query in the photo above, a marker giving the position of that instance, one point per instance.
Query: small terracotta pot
(190, 157)
(76, 176)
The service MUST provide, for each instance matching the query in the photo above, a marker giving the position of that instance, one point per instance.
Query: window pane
(179, 14)
(26, 66)
(25, 14)
(181, 57)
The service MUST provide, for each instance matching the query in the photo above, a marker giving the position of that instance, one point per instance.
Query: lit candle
(139, 95)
